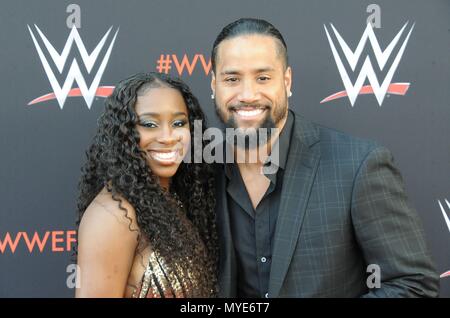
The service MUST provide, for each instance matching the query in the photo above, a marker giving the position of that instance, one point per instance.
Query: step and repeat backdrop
(378, 70)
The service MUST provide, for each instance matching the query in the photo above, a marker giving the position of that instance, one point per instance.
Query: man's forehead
(249, 49)
(254, 52)
(254, 42)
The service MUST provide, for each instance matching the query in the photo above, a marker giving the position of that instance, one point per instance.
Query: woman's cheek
(185, 140)
(143, 138)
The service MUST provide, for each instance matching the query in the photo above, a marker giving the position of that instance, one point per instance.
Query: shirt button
(263, 259)
(266, 295)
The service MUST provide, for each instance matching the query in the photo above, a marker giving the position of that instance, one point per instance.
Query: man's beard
(254, 137)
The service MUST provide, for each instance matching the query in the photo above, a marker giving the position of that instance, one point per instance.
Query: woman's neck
(164, 183)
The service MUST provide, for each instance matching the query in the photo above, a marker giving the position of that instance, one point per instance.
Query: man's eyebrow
(230, 72)
(264, 69)
(256, 71)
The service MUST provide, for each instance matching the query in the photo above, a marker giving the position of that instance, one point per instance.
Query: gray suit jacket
(343, 207)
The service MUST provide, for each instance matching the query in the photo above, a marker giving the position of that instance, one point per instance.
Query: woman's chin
(164, 170)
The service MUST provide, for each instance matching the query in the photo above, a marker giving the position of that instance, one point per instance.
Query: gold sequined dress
(163, 281)
(154, 277)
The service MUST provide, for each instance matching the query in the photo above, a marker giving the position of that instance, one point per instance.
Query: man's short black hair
(248, 26)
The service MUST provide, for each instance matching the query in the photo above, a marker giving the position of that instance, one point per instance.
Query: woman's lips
(166, 157)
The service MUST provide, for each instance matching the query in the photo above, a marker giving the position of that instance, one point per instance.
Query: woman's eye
(180, 123)
(148, 124)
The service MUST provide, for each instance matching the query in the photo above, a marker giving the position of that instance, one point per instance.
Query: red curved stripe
(394, 88)
(446, 274)
(102, 91)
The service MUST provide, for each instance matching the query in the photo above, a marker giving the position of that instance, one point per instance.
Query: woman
(147, 226)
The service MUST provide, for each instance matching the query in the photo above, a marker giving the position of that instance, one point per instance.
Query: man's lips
(248, 112)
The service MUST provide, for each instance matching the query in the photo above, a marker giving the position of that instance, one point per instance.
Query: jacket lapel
(302, 163)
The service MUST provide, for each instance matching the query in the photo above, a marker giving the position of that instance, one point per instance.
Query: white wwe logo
(74, 73)
(367, 70)
(446, 218)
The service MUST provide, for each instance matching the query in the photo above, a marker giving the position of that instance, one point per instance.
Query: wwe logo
(367, 70)
(446, 218)
(74, 74)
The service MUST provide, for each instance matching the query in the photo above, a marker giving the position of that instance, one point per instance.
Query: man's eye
(148, 124)
(180, 123)
(231, 79)
(263, 78)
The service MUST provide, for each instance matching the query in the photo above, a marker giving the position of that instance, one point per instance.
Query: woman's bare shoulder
(104, 206)
(107, 240)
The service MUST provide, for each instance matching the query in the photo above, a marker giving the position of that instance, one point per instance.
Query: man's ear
(213, 83)
(288, 79)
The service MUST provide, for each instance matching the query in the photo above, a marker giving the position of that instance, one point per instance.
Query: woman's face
(163, 126)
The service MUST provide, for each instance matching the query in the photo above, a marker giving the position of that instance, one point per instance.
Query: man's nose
(249, 92)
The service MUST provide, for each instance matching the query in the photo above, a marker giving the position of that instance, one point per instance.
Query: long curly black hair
(116, 162)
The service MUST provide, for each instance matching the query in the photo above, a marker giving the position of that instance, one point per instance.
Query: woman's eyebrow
(149, 114)
(158, 114)
(179, 113)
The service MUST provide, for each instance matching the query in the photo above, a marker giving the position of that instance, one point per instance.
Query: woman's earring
(290, 94)
(212, 96)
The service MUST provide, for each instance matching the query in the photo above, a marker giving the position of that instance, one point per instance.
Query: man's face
(251, 83)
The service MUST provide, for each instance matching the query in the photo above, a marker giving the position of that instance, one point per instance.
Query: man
(333, 221)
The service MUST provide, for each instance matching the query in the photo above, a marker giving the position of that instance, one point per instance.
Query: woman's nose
(167, 136)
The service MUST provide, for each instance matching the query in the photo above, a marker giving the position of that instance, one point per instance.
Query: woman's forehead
(160, 100)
